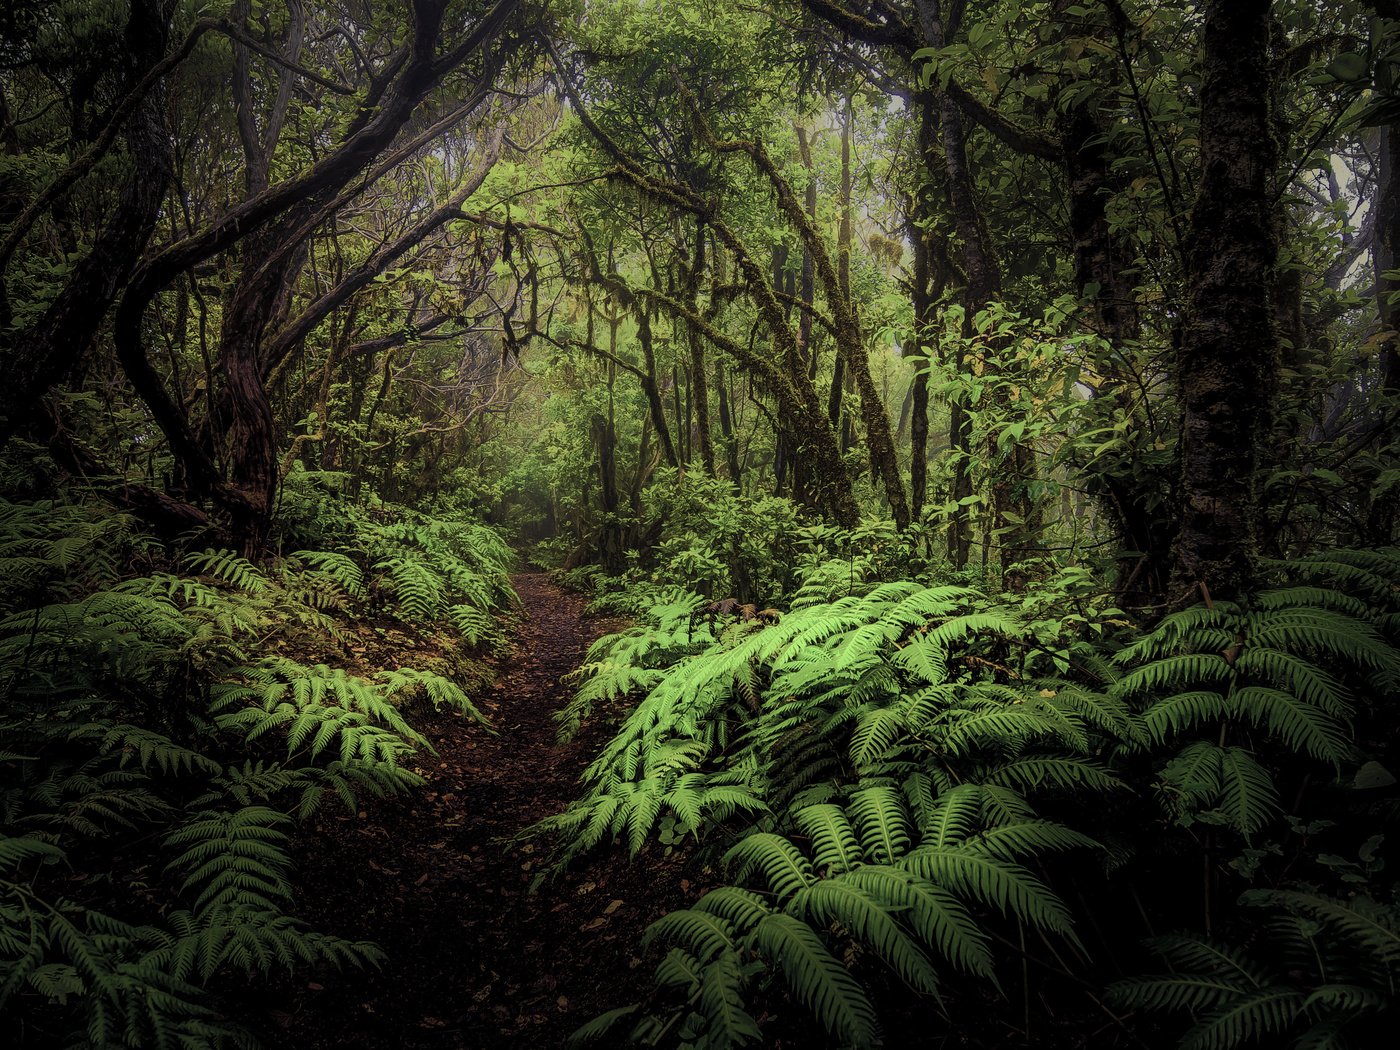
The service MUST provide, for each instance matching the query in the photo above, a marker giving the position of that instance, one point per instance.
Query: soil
(441, 882)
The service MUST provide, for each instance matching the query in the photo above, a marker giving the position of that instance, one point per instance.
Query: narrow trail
(475, 960)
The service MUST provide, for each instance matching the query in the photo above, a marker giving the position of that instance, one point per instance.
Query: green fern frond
(338, 567)
(1008, 887)
(419, 588)
(939, 919)
(721, 999)
(833, 839)
(953, 818)
(818, 980)
(1176, 992)
(149, 748)
(1300, 725)
(603, 1026)
(1028, 838)
(840, 901)
(743, 908)
(785, 870)
(1248, 796)
(1184, 712)
(701, 933)
(235, 859)
(1372, 929)
(882, 821)
(441, 692)
(1050, 773)
(230, 568)
(1173, 671)
(474, 624)
(1257, 1014)
(16, 850)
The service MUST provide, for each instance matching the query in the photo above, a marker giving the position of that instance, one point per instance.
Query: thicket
(173, 715)
(916, 785)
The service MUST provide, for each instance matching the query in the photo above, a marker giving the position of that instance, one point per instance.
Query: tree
(1228, 361)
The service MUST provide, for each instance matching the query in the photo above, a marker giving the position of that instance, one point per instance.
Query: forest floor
(474, 959)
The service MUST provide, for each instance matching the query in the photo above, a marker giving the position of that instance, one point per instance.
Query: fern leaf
(939, 919)
(784, 868)
(602, 1026)
(703, 934)
(1298, 724)
(1264, 1011)
(1247, 792)
(721, 998)
(819, 981)
(833, 839)
(1009, 888)
(842, 901)
(880, 816)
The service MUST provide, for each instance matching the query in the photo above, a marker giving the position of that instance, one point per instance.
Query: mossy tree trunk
(1228, 358)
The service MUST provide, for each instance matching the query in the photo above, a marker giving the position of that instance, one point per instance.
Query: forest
(700, 524)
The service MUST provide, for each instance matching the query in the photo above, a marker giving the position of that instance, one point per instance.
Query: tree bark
(1226, 366)
(1131, 499)
(699, 381)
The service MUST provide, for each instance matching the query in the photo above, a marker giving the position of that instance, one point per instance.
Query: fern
(1323, 971)
(1284, 671)
(139, 725)
(903, 884)
(229, 568)
(337, 567)
(818, 979)
(235, 859)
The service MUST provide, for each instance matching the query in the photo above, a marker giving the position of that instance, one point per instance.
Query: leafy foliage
(146, 746)
(1319, 973)
(894, 746)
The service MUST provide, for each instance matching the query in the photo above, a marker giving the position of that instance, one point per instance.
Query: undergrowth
(908, 779)
(159, 748)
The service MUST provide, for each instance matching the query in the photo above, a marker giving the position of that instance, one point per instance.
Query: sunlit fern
(905, 873)
(888, 682)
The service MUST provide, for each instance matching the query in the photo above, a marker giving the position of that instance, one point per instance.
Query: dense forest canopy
(982, 415)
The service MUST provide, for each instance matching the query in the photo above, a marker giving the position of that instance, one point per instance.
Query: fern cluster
(893, 748)
(885, 748)
(1316, 972)
(422, 571)
(1241, 684)
(903, 874)
(153, 738)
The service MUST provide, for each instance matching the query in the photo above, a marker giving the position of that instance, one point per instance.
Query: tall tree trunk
(807, 290)
(1382, 514)
(246, 423)
(605, 440)
(979, 266)
(919, 214)
(651, 387)
(1226, 366)
(726, 429)
(920, 352)
(699, 382)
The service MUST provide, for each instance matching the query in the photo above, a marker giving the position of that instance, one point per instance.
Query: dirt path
(474, 959)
